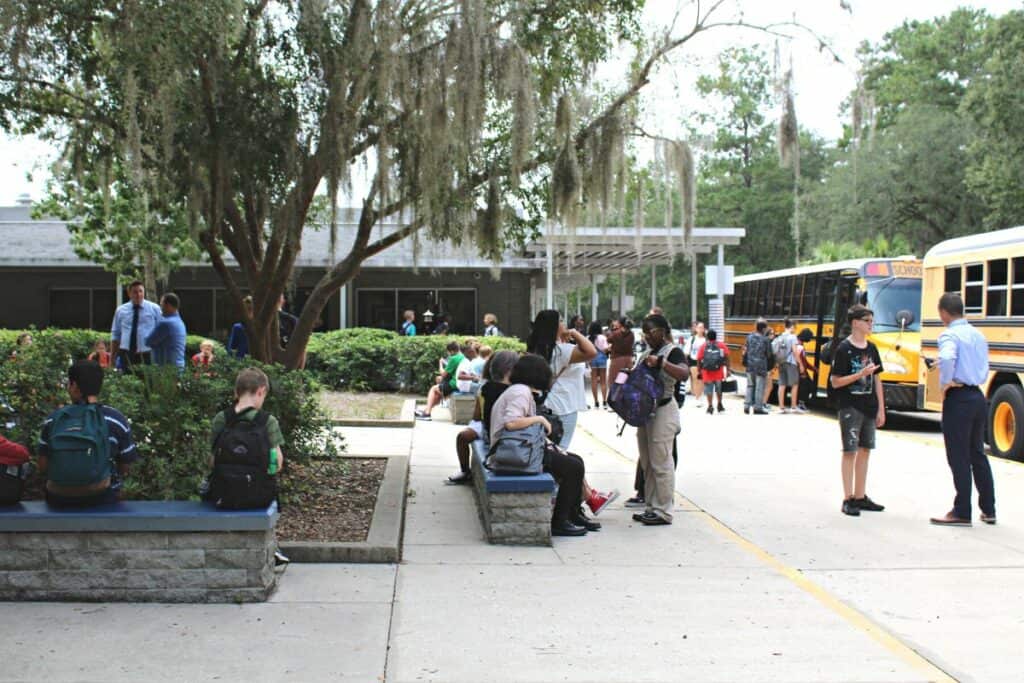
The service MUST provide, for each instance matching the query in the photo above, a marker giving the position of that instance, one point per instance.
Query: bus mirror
(860, 297)
(904, 318)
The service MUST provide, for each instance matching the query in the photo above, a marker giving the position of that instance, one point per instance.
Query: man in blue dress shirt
(133, 322)
(963, 370)
(167, 340)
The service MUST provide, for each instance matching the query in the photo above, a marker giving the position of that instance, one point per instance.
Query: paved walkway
(760, 578)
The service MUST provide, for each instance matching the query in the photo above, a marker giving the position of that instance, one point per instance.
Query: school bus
(987, 270)
(817, 298)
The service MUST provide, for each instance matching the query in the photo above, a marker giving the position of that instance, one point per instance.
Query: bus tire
(1006, 422)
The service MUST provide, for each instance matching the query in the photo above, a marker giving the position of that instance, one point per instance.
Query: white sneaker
(800, 409)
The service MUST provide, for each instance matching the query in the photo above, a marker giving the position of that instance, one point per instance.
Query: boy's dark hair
(951, 303)
(172, 299)
(762, 326)
(859, 311)
(787, 323)
(87, 376)
(452, 346)
(805, 335)
(250, 380)
(533, 371)
(712, 335)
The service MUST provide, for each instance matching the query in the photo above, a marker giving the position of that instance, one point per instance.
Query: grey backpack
(519, 451)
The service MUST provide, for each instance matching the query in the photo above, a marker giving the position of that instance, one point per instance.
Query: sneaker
(867, 504)
(850, 508)
(786, 411)
(721, 408)
(988, 519)
(635, 502)
(420, 415)
(711, 411)
(599, 501)
(460, 478)
(641, 516)
(654, 520)
(800, 409)
(761, 411)
(280, 559)
(746, 410)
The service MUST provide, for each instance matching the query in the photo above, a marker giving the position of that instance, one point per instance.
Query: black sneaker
(746, 410)
(721, 407)
(635, 502)
(850, 508)
(867, 504)
(280, 559)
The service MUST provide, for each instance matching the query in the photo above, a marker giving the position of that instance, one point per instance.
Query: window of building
(953, 274)
(376, 308)
(998, 290)
(70, 308)
(197, 310)
(1017, 296)
(104, 303)
(974, 287)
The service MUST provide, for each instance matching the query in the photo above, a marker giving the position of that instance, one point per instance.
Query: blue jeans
(568, 427)
(755, 391)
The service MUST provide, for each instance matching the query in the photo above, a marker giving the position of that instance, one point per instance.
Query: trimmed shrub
(170, 412)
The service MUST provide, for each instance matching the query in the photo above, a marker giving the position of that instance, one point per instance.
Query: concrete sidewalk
(759, 578)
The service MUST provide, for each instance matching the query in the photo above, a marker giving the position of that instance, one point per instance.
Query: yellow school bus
(816, 297)
(987, 270)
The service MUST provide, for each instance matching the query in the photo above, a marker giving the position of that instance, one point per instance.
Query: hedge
(369, 359)
(170, 412)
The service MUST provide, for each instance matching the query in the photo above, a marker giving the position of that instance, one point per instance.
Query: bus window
(996, 293)
(787, 296)
(763, 297)
(734, 300)
(1017, 299)
(810, 305)
(745, 297)
(798, 295)
(952, 279)
(974, 284)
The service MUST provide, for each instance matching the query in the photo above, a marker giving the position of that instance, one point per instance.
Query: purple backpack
(635, 394)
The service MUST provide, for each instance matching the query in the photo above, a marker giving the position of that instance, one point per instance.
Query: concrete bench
(462, 406)
(137, 551)
(516, 510)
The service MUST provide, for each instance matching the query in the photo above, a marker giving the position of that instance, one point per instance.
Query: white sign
(630, 302)
(711, 280)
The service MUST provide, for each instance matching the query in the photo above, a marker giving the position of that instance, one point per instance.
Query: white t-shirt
(695, 346)
(464, 385)
(568, 395)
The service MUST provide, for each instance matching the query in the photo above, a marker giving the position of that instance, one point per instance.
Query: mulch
(329, 500)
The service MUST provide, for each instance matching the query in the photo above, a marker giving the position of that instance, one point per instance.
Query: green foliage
(77, 343)
(170, 412)
(879, 246)
(368, 359)
(995, 104)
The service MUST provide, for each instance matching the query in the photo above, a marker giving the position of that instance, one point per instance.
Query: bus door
(835, 293)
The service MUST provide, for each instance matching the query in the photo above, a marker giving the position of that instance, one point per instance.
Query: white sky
(820, 83)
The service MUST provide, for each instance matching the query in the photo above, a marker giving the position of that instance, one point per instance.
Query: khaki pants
(655, 441)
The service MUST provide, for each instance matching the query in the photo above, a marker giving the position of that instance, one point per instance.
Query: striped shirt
(963, 355)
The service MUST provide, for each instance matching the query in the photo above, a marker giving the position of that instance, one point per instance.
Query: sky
(820, 83)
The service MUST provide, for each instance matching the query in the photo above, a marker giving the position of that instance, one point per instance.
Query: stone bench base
(462, 406)
(53, 561)
(514, 510)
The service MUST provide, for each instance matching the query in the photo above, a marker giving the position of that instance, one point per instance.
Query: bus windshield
(890, 295)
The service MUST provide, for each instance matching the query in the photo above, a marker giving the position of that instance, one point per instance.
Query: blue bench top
(135, 515)
(510, 483)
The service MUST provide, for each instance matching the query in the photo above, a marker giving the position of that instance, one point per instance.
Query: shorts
(711, 387)
(856, 429)
(446, 388)
(478, 427)
(600, 361)
(691, 362)
(789, 376)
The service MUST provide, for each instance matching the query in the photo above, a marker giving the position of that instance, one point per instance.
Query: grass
(349, 405)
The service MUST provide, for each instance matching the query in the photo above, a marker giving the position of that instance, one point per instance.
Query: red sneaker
(599, 501)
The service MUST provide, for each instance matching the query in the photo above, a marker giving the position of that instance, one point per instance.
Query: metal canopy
(611, 250)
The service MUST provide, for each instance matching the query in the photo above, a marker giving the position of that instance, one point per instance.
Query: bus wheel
(1006, 422)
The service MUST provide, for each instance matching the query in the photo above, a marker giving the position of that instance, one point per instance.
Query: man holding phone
(858, 390)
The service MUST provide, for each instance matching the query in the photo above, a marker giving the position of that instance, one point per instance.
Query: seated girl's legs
(463, 442)
(433, 398)
(568, 472)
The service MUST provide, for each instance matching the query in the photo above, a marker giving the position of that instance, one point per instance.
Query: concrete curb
(383, 543)
(406, 419)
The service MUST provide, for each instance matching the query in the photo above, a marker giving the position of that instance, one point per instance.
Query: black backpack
(713, 357)
(241, 455)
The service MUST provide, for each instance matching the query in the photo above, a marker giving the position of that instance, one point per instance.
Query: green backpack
(79, 446)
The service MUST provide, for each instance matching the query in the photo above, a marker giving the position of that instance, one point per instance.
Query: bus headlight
(894, 368)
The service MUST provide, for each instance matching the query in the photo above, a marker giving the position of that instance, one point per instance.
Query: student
(620, 346)
(238, 340)
(408, 328)
(497, 372)
(516, 409)
(697, 341)
(205, 355)
(599, 364)
(483, 354)
(491, 325)
(655, 439)
(77, 477)
(15, 468)
(445, 383)
(713, 360)
(465, 378)
(856, 367)
(789, 369)
(755, 360)
(808, 384)
(100, 354)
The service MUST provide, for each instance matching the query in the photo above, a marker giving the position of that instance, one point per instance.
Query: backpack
(635, 394)
(781, 348)
(79, 446)
(518, 452)
(240, 459)
(713, 357)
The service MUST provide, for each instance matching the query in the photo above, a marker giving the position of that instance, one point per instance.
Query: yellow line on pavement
(857, 619)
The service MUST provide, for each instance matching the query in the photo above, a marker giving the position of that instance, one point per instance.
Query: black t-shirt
(848, 360)
(490, 392)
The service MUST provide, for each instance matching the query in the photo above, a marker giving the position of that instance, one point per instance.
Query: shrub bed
(367, 359)
(170, 412)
